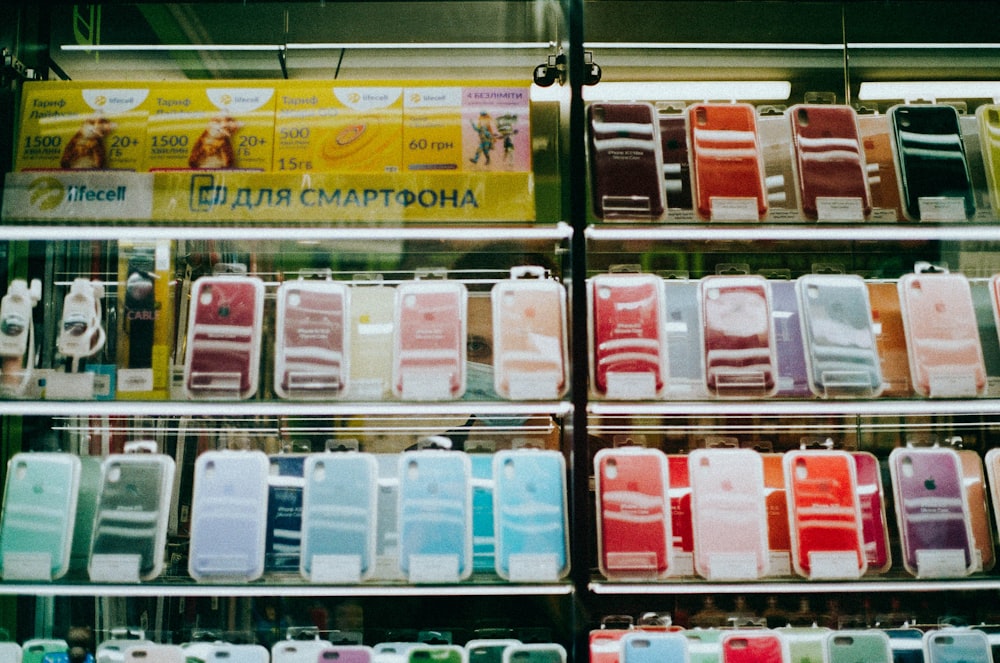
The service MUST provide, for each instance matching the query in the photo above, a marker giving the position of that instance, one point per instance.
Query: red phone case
(752, 647)
(633, 512)
(824, 513)
(627, 329)
(738, 336)
(224, 336)
(725, 155)
(874, 528)
(829, 157)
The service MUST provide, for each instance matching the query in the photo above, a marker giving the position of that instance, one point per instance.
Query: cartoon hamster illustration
(214, 148)
(85, 150)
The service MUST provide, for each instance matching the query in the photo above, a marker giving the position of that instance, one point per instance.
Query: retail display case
(740, 236)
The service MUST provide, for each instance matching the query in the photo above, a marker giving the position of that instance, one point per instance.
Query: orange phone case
(978, 503)
(890, 338)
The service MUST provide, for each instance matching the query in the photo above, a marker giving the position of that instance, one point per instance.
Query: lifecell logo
(47, 193)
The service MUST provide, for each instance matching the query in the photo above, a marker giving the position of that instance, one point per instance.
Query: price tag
(115, 568)
(829, 208)
(833, 565)
(434, 569)
(631, 386)
(734, 209)
(732, 566)
(941, 209)
(27, 566)
(941, 564)
(540, 567)
(336, 569)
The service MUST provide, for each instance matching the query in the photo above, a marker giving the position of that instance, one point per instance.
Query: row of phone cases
(928, 333)
(430, 507)
(412, 337)
(53, 650)
(837, 165)
(789, 645)
(739, 514)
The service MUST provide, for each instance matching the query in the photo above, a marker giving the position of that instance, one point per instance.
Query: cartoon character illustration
(214, 148)
(506, 130)
(487, 134)
(85, 150)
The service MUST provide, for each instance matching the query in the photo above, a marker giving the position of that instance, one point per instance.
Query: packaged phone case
(752, 647)
(874, 527)
(529, 336)
(300, 651)
(979, 515)
(824, 514)
(991, 462)
(988, 119)
(39, 510)
(633, 513)
(604, 644)
(488, 650)
(676, 162)
(779, 540)
(35, 649)
(343, 654)
(224, 652)
(133, 506)
(285, 488)
(531, 515)
(683, 339)
(982, 300)
(371, 341)
(956, 645)
(830, 170)
(422, 653)
(339, 506)
(740, 359)
(727, 168)
(789, 343)
(775, 136)
(853, 645)
(483, 531)
(728, 513)
(931, 512)
(682, 536)
(435, 515)
(625, 160)
(942, 336)
(804, 644)
(890, 337)
(224, 337)
(536, 652)
(154, 653)
(628, 358)
(906, 644)
(430, 333)
(229, 521)
(883, 182)
(934, 179)
(653, 647)
(840, 342)
(311, 341)
(10, 652)
(704, 645)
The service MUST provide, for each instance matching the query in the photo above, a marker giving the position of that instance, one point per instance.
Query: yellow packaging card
(473, 128)
(329, 128)
(81, 126)
(210, 126)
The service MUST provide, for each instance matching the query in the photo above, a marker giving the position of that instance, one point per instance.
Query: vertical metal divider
(577, 174)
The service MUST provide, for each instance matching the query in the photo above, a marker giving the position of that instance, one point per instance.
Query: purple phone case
(793, 373)
(930, 503)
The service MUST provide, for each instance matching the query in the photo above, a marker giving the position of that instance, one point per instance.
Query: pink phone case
(726, 160)
(824, 514)
(529, 338)
(311, 351)
(740, 358)
(224, 337)
(627, 335)
(871, 496)
(728, 512)
(829, 158)
(942, 335)
(429, 357)
(633, 512)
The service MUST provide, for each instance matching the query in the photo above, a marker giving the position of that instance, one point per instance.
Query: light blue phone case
(654, 647)
(530, 515)
(339, 505)
(435, 515)
(957, 646)
(39, 510)
(229, 516)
